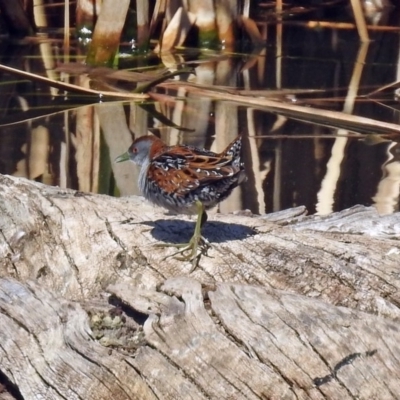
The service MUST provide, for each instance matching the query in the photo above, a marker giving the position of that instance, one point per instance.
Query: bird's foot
(192, 251)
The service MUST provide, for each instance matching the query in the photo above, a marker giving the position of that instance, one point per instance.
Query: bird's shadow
(180, 231)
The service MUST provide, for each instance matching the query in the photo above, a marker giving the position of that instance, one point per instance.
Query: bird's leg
(197, 245)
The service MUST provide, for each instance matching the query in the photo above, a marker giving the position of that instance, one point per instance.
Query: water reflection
(288, 162)
(324, 172)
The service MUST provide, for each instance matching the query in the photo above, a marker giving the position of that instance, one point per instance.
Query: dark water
(63, 140)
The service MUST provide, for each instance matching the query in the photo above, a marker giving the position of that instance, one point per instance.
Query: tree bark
(286, 307)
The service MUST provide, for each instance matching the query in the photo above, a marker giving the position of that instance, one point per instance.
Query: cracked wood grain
(80, 243)
(46, 344)
(251, 343)
(287, 306)
(308, 348)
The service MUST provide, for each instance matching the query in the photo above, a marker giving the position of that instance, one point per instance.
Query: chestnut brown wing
(183, 169)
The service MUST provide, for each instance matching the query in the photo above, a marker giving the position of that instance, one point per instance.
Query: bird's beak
(122, 157)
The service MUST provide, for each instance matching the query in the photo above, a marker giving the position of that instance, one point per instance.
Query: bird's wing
(181, 169)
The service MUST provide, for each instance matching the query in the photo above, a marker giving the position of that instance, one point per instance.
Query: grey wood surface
(287, 306)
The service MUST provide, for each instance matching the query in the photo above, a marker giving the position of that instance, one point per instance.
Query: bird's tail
(234, 149)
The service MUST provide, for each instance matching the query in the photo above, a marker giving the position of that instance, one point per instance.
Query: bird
(186, 180)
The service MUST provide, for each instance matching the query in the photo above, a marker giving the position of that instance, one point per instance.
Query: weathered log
(288, 307)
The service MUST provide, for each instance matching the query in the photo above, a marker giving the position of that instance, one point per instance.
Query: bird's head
(142, 150)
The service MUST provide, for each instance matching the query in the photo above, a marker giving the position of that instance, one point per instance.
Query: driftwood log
(286, 307)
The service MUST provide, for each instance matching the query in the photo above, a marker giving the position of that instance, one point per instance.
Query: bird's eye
(134, 150)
